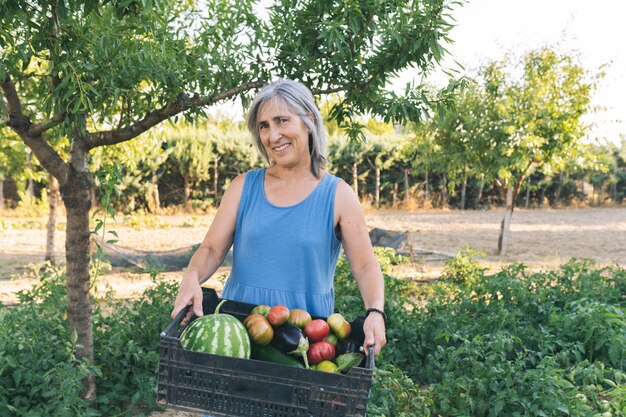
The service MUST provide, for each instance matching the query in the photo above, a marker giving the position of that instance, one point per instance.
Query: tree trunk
(527, 199)
(377, 188)
(481, 187)
(557, 194)
(394, 195)
(463, 191)
(76, 193)
(614, 192)
(503, 240)
(426, 186)
(444, 191)
(156, 199)
(187, 192)
(1, 194)
(355, 178)
(216, 175)
(406, 186)
(582, 189)
(53, 197)
(94, 196)
(30, 189)
(601, 195)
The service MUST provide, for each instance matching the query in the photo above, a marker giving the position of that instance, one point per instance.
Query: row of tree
(191, 166)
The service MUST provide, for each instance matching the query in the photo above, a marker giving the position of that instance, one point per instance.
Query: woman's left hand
(374, 329)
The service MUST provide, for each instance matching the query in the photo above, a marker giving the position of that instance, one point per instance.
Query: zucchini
(271, 353)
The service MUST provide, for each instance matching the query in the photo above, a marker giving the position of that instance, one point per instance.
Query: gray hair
(299, 99)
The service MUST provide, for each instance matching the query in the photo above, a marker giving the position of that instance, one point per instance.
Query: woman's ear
(312, 117)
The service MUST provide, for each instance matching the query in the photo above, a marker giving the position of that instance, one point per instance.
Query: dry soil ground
(542, 239)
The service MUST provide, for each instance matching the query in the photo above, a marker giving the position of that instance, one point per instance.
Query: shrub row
(510, 344)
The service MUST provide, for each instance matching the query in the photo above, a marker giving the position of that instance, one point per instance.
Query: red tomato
(259, 329)
(299, 317)
(278, 315)
(339, 325)
(320, 351)
(316, 330)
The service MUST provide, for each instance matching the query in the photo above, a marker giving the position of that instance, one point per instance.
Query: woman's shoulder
(237, 185)
(253, 174)
(235, 188)
(240, 179)
(345, 195)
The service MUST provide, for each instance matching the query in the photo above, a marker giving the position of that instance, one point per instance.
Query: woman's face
(283, 134)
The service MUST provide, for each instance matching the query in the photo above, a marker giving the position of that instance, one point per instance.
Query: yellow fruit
(327, 366)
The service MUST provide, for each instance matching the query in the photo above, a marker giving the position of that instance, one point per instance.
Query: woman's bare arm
(364, 265)
(211, 253)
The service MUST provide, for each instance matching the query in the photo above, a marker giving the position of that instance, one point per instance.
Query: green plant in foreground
(39, 373)
(395, 394)
(126, 348)
(510, 344)
(507, 344)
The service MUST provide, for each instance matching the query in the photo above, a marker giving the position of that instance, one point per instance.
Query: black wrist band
(375, 310)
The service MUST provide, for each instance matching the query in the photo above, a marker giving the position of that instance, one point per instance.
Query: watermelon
(218, 334)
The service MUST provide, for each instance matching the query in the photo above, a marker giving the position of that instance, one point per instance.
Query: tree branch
(14, 105)
(521, 179)
(22, 125)
(38, 128)
(328, 91)
(151, 119)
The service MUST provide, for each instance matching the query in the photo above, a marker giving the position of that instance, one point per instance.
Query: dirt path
(542, 239)
(538, 237)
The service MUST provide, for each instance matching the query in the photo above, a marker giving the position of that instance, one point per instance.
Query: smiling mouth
(281, 147)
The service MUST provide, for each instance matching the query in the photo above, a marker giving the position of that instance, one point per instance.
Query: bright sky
(487, 29)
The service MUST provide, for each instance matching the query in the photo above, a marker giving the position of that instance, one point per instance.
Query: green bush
(509, 344)
(39, 373)
(394, 394)
(126, 344)
(464, 268)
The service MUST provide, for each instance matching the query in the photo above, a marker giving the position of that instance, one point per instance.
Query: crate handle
(369, 363)
(175, 322)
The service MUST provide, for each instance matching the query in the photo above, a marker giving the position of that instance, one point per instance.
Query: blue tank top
(285, 255)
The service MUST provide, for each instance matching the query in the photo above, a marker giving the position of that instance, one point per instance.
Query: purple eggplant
(290, 339)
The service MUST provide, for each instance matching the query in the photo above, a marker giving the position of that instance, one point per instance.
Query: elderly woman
(288, 221)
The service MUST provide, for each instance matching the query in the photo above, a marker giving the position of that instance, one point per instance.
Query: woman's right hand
(189, 294)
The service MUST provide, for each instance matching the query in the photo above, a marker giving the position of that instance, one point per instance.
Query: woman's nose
(275, 133)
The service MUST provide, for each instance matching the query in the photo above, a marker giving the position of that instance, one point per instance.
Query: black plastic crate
(223, 386)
